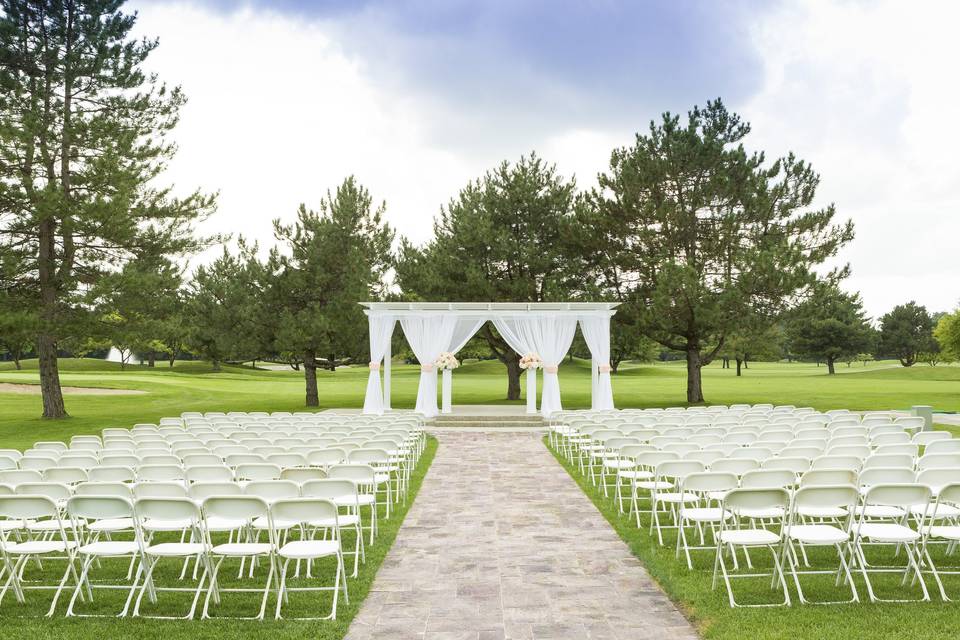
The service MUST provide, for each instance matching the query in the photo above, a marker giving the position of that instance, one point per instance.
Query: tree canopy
(830, 326)
(700, 233)
(906, 332)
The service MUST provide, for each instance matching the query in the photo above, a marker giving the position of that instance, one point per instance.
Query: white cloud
(281, 110)
(864, 91)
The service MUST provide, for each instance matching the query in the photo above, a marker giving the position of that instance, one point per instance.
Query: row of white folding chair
(144, 515)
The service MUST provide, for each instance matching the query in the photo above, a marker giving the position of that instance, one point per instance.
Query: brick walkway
(501, 543)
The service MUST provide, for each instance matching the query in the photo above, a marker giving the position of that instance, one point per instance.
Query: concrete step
(503, 423)
(535, 418)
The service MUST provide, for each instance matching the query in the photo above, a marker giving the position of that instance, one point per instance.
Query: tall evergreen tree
(830, 325)
(507, 237)
(328, 262)
(699, 233)
(82, 141)
(906, 332)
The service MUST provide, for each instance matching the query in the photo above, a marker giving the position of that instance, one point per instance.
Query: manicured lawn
(709, 610)
(28, 621)
(192, 386)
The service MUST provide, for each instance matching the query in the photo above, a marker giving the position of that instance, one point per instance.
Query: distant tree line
(713, 251)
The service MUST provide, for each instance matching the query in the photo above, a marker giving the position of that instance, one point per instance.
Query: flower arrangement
(446, 360)
(531, 361)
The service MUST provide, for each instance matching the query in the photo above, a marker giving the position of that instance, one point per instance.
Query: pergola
(542, 328)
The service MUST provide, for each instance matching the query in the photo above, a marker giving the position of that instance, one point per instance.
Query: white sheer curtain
(381, 332)
(596, 333)
(428, 337)
(507, 327)
(550, 336)
(462, 333)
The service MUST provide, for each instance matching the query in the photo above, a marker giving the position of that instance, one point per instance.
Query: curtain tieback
(551, 368)
(374, 366)
(605, 368)
(426, 368)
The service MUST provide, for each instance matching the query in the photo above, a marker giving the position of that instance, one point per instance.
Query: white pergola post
(532, 390)
(386, 377)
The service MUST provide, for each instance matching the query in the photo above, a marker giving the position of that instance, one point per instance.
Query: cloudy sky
(287, 97)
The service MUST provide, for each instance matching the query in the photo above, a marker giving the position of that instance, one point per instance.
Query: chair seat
(761, 514)
(261, 524)
(879, 511)
(175, 549)
(40, 546)
(941, 511)
(52, 524)
(654, 484)
(945, 532)
(220, 524)
(111, 524)
(822, 512)
(817, 534)
(619, 464)
(717, 496)
(749, 537)
(343, 520)
(242, 549)
(632, 474)
(677, 497)
(14, 525)
(110, 548)
(154, 524)
(704, 514)
(888, 532)
(302, 549)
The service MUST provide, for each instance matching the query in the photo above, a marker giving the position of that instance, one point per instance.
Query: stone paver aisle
(501, 543)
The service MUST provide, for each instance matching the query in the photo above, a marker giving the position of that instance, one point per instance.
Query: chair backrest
(242, 507)
(837, 462)
(159, 473)
(705, 481)
(208, 473)
(678, 469)
(938, 461)
(796, 465)
(271, 490)
(53, 490)
(886, 475)
(24, 507)
(898, 495)
(159, 490)
(66, 475)
(260, 471)
(888, 461)
(203, 490)
(304, 510)
(825, 496)
(101, 507)
(943, 446)
(14, 478)
(768, 479)
(923, 438)
(822, 477)
(738, 499)
(936, 479)
(326, 457)
(111, 474)
(303, 474)
(738, 466)
(341, 489)
(169, 509)
(97, 488)
(362, 474)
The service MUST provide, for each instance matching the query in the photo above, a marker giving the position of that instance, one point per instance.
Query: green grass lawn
(710, 612)
(192, 386)
(28, 621)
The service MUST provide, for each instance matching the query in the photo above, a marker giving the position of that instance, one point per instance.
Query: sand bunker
(10, 387)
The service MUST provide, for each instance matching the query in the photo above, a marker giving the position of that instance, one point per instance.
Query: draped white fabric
(381, 332)
(551, 337)
(462, 333)
(596, 333)
(428, 337)
(507, 328)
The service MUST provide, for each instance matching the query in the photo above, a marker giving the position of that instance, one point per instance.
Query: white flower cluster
(446, 360)
(531, 361)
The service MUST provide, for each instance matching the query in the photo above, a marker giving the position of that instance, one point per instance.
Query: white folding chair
(814, 499)
(34, 508)
(108, 509)
(307, 511)
(944, 532)
(892, 532)
(343, 493)
(240, 508)
(732, 536)
(700, 514)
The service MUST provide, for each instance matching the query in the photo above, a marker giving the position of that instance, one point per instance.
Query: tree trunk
(694, 382)
(739, 363)
(171, 360)
(725, 363)
(830, 368)
(152, 359)
(513, 378)
(310, 376)
(745, 366)
(53, 406)
(16, 361)
(216, 364)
